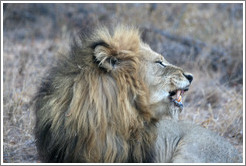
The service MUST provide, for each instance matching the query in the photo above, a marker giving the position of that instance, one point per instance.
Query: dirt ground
(204, 39)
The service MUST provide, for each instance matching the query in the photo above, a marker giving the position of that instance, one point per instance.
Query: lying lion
(113, 99)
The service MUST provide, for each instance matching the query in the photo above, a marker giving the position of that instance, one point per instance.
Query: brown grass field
(204, 39)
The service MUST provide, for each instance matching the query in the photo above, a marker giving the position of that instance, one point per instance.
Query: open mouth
(176, 96)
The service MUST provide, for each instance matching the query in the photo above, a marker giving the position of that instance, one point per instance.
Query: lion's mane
(93, 106)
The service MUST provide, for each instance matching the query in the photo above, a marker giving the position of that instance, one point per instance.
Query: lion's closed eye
(160, 63)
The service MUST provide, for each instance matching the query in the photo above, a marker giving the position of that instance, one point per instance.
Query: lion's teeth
(178, 94)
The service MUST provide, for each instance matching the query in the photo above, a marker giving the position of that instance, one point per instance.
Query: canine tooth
(178, 94)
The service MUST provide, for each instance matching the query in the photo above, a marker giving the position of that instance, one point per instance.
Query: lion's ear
(104, 56)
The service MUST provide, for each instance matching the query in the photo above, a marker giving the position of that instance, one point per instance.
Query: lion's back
(191, 143)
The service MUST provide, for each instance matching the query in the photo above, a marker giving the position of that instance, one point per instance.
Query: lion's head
(166, 83)
(101, 103)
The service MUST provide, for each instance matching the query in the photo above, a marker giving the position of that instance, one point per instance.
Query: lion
(113, 99)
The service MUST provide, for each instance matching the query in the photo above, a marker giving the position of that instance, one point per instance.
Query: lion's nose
(188, 76)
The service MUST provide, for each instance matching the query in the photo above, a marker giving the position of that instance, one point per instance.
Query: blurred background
(204, 39)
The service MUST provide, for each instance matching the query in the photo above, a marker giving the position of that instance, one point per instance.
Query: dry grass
(34, 34)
